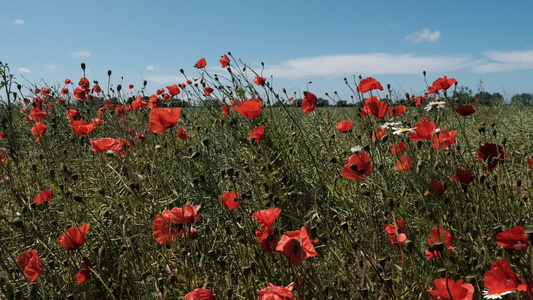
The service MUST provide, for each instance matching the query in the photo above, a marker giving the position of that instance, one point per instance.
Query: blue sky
(299, 41)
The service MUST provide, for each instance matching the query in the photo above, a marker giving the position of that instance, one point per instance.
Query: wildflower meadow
(226, 186)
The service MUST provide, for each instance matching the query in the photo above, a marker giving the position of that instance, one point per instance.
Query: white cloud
(150, 67)
(367, 65)
(505, 61)
(424, 35)
(19, 22)
(80, 54)
(24, 70)
(51, 67)
(166, 79)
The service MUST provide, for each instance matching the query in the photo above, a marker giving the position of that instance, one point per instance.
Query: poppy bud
(78, 198)
(119, 87)
(407, 95)
(83, 66)
(17, 222)
(145, 83)
(388, 86)
(424, 73)
(19, 86)
(101, 191)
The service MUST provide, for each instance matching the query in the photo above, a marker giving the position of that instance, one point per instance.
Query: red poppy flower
(200, 64)
(309, 102)
(441, 236)
(36, 91)
(64, 91)
(84, 83)
(208, 91)
(164, 229)
(326, 118)
(30, 264)
(399, 149)
(449, 289)
(73, 115)
(45, 92)
(96, 89)
(530, 162)
(397, 110)
(260, 80)
(403, 164)
(85, 273)
(368, 84)
(186, 214)
(79, 93)
(422, 131)
(502, 280)
(296, 246)
(273, 292)
(463, 176)
(130, 86)
(357, 167)
(102, 144)
(39, 129)
(60, 101)
(257, 134)
(36, 115)
(74, 237)
(2, 136)
(266, 237)
(225, 110)
(224, 61)
(375, 107)
(444, 139)
(199, 294)
(249, 108)
(67, 81)
(491, 155)
(344, 126)
(161, 119)
(266, 217)
(378, 133)
(228, 199)
(397, 233)
(514, 238)
(435, 188)
(442, 84)
(153, 102)
(89, 98)
(81, 128)
(182, 135)
(173, 90)
(43, 196)
(138, 103)
(465, 110)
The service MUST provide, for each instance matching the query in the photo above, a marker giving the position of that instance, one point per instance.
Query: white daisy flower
(356, 149)
(390, 125)
(494, 296)
(436, 104)
(399, 131)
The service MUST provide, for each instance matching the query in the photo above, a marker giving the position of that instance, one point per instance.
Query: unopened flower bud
(83, 66)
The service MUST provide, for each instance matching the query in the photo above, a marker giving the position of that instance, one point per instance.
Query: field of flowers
(107, 193)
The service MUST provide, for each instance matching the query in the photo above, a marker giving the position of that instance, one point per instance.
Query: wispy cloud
(166, 79)
(505, 61)
(424, 35)
(51, 67)
(367, 64)
(150, 67)
(24, 70)
(80, 54)
(19, 22)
